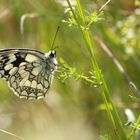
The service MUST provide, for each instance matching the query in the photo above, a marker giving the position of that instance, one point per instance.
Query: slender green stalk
(115, 119)
(134, 128)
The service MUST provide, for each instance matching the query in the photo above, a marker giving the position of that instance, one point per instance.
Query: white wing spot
(24, 79)
(12, 79)
(32, 94)
(36, 70)
(24, 93)
(25, 74)
(13, 70)
(8, 67)
(27, 83)
(2, 72)
(18, 90)
(22, 71)
(14, 85)
(39, 94)
(12, 56)
(36, 64)
(40, 97)
(31, 58)
(34, 84)
(21, 68)
(23, 97)
(46, 84)
(23, 63)
(11, 60)
(39, 86)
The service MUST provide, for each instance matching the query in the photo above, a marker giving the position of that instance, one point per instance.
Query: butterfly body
(29, 72)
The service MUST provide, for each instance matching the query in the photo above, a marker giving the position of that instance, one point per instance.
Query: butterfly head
(53, 54)
(51, 59)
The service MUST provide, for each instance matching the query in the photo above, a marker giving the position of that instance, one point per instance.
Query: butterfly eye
(53, 54)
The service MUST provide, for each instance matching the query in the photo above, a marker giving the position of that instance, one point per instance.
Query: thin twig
(22, 21)
(104, 5)
(9, 133)
(114, 59)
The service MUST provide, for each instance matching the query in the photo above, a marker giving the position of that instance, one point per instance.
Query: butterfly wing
(26, 71)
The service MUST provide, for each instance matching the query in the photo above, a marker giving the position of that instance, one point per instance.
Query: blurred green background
(73, 110)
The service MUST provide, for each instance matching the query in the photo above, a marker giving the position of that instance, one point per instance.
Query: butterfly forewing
(28, 72)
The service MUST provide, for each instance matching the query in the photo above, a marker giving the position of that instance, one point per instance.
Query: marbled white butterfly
(29, 73)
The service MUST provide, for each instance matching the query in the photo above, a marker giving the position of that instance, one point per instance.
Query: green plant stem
(85, 78)
(134, 128)
(115, 119)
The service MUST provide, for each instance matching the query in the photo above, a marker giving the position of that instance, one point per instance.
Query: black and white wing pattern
(29, 73)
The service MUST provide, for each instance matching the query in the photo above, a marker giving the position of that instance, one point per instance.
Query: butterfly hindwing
(27, 74)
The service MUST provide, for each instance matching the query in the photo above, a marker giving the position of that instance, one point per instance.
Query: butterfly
(29, 73)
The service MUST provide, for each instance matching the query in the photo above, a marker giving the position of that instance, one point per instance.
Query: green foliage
(90, 18)
(93, 102)
(135, 127)
(65, 72)
(105, 137)
(114, 117)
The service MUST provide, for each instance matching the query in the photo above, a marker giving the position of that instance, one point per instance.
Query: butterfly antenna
(55, 37)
